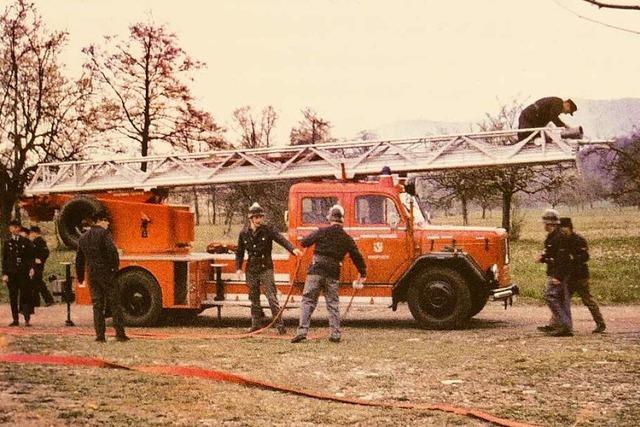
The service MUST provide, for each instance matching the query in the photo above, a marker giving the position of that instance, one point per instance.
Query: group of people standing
(566, 254)
(24, 255)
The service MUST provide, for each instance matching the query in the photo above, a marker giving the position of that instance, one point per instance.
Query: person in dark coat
(256, 239)
(556, 291)
(98, 257)
(40, 259)
(17, 272)
(543, 111)
(332, 244)
(578, 274)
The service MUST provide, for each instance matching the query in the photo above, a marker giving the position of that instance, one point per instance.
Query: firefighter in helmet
(332, 243)
(257, 240)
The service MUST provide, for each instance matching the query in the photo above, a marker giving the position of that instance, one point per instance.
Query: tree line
(133, 96)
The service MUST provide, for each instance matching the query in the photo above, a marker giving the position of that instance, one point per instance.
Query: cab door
(381, 235)
(313, 209)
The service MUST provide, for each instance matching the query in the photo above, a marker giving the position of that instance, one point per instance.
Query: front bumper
(501, 294)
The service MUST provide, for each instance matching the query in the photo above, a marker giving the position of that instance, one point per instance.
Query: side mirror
(394, 221)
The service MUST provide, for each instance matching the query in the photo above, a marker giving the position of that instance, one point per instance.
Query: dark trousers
(266, 279)
(20, 296)
(524, 123)
(105, 290)
(581, 287)
(40, 289)
(558, 299)
(312, 287)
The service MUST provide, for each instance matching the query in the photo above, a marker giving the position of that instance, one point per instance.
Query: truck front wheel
(140, 297)
(439, 298)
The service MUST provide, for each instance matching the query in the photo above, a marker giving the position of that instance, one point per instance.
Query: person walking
(17, 272)
(97, 260)
(256, 239)
(578, 277)
(556, 290)
(41, 254)
(543, 111)
(332, 244)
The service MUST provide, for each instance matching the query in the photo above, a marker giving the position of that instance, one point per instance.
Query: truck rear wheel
(140, 297)
(439, 298)
(70, 219)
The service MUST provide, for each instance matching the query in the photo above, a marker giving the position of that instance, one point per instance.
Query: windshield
(420, 218)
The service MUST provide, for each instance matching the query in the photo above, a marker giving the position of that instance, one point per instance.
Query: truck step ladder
(340, 159)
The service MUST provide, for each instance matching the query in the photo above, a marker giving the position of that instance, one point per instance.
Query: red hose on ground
(222, 376)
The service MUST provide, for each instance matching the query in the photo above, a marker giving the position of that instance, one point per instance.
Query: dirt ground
(500, 364)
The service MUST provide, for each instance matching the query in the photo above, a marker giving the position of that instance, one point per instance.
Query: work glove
(239, 274)
(358, 283)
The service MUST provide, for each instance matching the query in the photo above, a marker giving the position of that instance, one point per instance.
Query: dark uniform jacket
(332, 244)
(97, 250)
(573, 255)
(41, 251)
(258, 246)
(17, 257)
(550, 255)
(541, 112)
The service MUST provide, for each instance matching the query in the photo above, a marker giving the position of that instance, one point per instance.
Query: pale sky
(362, 64)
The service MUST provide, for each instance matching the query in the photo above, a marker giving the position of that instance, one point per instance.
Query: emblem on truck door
(378, 247)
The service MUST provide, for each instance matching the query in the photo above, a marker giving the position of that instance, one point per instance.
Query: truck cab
(446, 274)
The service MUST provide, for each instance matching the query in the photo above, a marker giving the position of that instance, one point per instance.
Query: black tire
(439, 298)
(71, 216)
(140, 297)
(478, 300)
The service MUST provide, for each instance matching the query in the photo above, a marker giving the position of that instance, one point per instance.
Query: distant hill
(600, 119)
(607, 118)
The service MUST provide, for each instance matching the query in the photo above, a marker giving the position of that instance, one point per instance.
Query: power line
(615, 27)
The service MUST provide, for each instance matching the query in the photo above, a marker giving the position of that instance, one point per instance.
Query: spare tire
(71, 216)
(140, 297)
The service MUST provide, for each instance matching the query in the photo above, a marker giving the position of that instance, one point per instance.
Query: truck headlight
(492, 272)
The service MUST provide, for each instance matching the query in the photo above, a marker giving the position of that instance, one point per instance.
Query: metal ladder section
(348, 159)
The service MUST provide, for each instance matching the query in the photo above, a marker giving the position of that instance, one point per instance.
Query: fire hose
(228, 377)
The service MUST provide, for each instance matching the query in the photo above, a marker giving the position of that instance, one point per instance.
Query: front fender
(459, 261)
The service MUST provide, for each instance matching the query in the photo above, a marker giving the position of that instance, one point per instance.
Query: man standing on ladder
(332, 244)
(257, 240)
(543, 111)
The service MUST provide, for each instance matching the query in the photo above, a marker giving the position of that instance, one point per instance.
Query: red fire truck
(445, 274)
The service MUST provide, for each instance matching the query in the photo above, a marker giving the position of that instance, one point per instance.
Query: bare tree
(41, 110)
(145, 95)
(312, 129)
(509, 181)
(623, 164)
(254, 131)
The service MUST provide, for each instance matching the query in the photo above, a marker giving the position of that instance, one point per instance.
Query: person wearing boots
(257, 240)
(543, 111)
(578, 278)
(98, 260)
(332, 244)
(556, 290)
(41, 254)
(17, 272)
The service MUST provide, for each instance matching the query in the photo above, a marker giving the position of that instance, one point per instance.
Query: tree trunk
(506, 210)
(196, 205)
(6, 209)
(213, 204)
(465, 211)
(484, 212)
